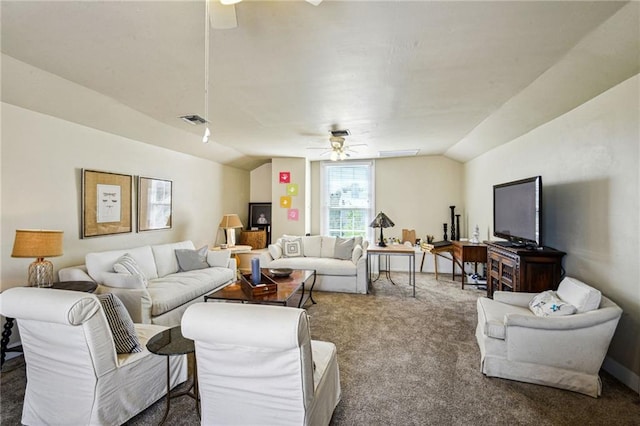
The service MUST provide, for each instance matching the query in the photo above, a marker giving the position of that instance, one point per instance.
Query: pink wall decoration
(293, 214)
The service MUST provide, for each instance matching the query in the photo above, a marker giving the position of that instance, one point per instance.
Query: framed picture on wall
(259, 214)
(154, 204)
(106, 203)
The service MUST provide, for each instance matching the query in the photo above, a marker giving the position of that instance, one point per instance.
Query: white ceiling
(449, 78)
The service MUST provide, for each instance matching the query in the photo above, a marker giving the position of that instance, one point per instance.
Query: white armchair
(258, 365)
(74, 375)
(564, 352)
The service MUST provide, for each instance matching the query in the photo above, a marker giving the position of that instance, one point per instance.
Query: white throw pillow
(343, 248)
(292, 248)
(275, 250)
(548, 304)
(328, 246)
(584, 297)
(312, 246)
(218, 258)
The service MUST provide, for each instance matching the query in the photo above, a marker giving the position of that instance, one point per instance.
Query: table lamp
(381, 221)
(229, 223)
(38, 243)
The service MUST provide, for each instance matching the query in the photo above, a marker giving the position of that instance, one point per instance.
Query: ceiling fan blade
(222, 17)
(357, 144)
(314, 2)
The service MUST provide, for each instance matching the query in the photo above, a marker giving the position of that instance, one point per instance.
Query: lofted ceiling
(445, 78)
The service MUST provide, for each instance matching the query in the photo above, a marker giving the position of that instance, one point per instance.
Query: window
(347, 199)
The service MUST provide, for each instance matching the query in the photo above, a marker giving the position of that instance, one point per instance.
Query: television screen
(517, 211)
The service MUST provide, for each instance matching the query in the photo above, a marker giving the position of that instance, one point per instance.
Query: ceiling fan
(338, 149)
(223, 13)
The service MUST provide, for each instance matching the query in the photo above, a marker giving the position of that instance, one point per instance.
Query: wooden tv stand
(522, 269)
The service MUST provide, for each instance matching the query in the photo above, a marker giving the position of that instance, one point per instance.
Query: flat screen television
(517, 212)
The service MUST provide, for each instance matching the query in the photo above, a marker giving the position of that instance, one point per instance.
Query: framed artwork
(293, 214)
(106, 203)
(285, 201)
(285, 177)
(155, 208)
(292, 189)
(259, 214)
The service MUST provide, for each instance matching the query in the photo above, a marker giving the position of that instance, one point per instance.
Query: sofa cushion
(328, 246)
(165, 256)
(548, 304)
(312, 246)
(174, 290)
(343, 248)
(190, 260)
(584, 297)
(323, 266)
(100, 262)
(122, 329)
(219, 258)
(113, 279)
(292, 247)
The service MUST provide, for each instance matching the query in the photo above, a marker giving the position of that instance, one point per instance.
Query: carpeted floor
(406, 361)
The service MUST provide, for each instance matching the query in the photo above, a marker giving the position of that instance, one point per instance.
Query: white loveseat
(164, 293)
(340, 264)
(561, 351)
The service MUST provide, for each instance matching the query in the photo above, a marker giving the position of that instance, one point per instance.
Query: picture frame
(106, 203)
(155, 204)
(259, 214)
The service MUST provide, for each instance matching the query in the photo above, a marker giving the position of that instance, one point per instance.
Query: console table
(393, 250)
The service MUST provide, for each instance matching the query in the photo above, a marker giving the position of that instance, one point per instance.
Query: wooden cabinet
(520, 269)
(464, 251)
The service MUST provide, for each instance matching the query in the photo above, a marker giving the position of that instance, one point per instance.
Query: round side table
(171, 342)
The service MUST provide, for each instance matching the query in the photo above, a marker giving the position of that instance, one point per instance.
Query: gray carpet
(406, 361)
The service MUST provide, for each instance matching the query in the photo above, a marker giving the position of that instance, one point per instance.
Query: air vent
(340, 133)
(193, 119)
(399, 153)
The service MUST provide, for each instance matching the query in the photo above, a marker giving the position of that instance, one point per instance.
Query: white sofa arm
(514, 298)
(570, 322)
(233, 265)
(74, 273)
(265, 259)
(136, 300)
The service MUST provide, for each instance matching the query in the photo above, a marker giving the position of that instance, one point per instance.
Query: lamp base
(41, 273)
(231, 237)
(382, 244)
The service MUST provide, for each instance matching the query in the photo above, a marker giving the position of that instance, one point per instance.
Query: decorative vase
(445, 237)
(458, 227)
(453, 224)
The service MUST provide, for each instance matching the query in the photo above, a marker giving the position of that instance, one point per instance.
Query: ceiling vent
(193, 119)
(340, 133)
(399, 153)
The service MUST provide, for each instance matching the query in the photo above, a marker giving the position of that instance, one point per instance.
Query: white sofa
(74, 375)
(560, 351)
(163, 294)
(336, 270)
(257, 365)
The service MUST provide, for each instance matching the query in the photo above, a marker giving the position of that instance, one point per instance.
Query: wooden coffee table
(290, 290)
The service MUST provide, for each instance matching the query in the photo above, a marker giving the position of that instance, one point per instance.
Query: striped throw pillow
(121, 324)
(126, 264)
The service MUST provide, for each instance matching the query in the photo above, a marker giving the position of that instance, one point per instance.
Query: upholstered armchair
(258, 365)
(74, 375)
(560, 351)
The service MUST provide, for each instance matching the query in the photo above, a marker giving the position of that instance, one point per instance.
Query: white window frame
(325, 199)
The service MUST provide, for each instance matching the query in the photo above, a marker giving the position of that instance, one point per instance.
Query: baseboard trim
(622, 373)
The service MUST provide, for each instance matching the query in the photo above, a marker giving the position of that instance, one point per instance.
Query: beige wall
(42, 158)
(415, 192)
(589, 160)
(261, 184)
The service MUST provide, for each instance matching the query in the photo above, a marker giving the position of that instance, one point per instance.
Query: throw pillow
(126, 264)
(190, 260)
(219, 258)
(357, 254)
(343, 248)
(292, 248)
(548, 304)
(121, 325)
(584, 297)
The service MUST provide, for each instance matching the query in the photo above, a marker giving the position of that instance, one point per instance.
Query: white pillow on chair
(584, 297)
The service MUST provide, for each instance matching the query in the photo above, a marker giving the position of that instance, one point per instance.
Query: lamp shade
(230, 221)
(37, 243)
(382, 221)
